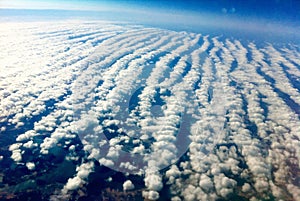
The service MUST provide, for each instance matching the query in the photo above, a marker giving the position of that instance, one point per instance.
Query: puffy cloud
(245, 129)
(3, 128)
(128, 185)
(94, 154)
(172, 174)
(30, 144)
(224, 185)
(30, 165)
(106, 162)
(127, 166)
(47, 144)
(72, 148)
(72, 184)
(16, 155)
(14, 146)
(153, 182)
(84, 170)
(206, 183)
(246, 188)
(26, 136)
(16, 152)
(151, 195)
(113, 153)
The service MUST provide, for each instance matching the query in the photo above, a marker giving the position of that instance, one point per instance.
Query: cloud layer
(133, 98)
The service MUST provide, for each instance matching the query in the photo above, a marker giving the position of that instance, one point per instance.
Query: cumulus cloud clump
(205, 117)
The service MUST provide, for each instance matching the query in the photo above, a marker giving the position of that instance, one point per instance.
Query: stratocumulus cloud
(64, 92)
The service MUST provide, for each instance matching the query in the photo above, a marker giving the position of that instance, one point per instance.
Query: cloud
(30, 165)
(153, 182)
(106, 162)
(151, 195)
(72, 184)
(16, 152)
(128, 185)
(244, 134)
(16, 155)
(84, 170)
(26, 136)
(81, 177)
(206, 183)
(30, 144)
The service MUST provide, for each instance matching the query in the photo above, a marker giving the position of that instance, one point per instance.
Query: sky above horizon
(253, 15)
(274, 9)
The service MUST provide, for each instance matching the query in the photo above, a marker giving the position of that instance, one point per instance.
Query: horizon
(220, 16)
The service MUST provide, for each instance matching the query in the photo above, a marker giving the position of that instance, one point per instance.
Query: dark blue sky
(271, 9)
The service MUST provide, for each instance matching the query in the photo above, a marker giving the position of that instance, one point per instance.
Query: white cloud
(151, 195)
(72, 184)
(14, 146)
(47, 73)
(77, 181)
(84, 170)
(16, 155)
(106, 162)
(172, 174)
(128, 185)
(30, 144)
(127, 166)
(30, 165)
(206, 183)
(153, 182)
(26, 136)
(47, 144)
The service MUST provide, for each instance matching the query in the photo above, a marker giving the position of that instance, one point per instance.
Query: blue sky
(264, 16)
(274, 9)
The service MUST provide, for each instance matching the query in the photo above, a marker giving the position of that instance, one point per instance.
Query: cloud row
(136, 97)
